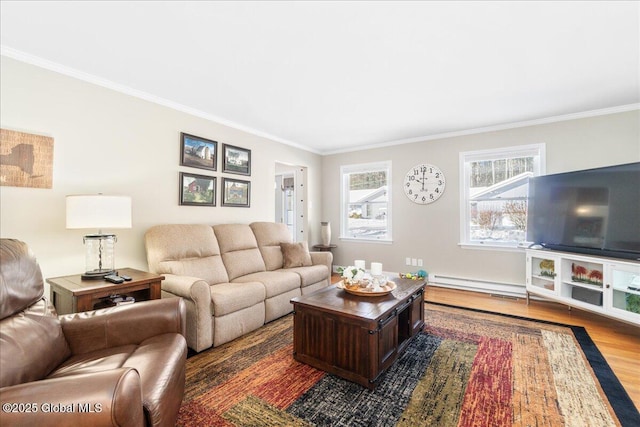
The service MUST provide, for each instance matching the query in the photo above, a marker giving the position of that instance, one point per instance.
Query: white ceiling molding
(99, 81)
(332, 77)
(61, 69)
(565, 117)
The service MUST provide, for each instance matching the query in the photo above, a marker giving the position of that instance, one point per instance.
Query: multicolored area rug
(467, 368)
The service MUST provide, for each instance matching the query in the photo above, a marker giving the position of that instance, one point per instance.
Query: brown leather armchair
(120, 366)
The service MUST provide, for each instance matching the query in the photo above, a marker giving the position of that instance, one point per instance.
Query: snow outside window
(494, 191)
(365, 196)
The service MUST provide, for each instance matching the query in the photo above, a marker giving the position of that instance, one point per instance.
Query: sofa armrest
(325, 258)
(191, 288)
(105, 398)
(197, 294)
(122, 325)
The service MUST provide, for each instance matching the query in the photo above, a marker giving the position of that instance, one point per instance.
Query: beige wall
(112, 143)
(105, 141)
(432, 232)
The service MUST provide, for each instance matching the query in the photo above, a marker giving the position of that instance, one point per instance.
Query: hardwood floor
(618, 342)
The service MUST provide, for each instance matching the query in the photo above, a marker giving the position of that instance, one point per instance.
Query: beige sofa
(234, 278)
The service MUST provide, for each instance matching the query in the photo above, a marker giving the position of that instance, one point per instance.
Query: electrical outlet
(419, 262)
(407, 261)
(414, 262)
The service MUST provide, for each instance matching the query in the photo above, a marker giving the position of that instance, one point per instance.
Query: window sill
(357, 240)
(491, 247)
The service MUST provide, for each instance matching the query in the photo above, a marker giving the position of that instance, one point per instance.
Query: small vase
(325, 233)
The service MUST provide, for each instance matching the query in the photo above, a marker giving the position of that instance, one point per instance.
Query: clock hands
(423, 180)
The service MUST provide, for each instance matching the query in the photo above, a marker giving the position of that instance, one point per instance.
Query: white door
(291, 199)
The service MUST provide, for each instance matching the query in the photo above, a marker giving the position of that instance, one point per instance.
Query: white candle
(359, 263)
(376, 269)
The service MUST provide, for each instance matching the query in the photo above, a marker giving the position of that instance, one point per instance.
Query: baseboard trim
(488, 287)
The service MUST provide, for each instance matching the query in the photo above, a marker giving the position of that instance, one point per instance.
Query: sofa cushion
(239, 250)
(31, 345)
(295, 255)
(234, 237)
(231, 297)
(312, 274)
(269, 235)
(185, 250)
(275, 282)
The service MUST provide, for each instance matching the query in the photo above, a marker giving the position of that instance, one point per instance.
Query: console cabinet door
(417, 313)
(542, 273)
(623, 291)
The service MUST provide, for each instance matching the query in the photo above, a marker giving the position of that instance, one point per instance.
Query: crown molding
(90, 78)
(99, 81)
(493, 128)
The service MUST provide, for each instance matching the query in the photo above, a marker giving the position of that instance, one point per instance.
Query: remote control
(113, 278)
(125, 277)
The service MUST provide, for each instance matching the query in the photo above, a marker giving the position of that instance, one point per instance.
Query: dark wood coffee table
(357, 337)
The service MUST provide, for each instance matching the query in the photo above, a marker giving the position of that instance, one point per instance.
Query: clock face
(424, 184)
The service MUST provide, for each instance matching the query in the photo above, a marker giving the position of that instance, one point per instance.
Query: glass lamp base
(100, 255)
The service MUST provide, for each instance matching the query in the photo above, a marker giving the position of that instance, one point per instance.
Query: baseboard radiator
(499, 289)
(512, 290)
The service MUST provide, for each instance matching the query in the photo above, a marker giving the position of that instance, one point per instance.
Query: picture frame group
(201, 190)
(202, 153)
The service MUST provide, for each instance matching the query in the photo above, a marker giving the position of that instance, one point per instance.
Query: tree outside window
(495, 193)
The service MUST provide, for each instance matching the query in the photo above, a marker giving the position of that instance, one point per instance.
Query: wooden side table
(71, 294)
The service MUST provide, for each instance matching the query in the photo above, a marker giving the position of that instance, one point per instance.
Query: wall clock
(424, 184)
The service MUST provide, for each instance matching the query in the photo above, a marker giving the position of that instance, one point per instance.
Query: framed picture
(198, 152)
(197, 190)
(236, 193)
(236, 160)
(27, 160)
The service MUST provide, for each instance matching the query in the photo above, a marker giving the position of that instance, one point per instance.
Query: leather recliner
(120, 366)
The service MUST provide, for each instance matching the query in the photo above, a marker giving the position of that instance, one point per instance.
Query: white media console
(606, 286)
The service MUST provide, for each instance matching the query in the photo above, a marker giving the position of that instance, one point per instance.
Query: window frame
(345, 171)
(538, 151)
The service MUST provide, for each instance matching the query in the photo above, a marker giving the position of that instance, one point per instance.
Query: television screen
(594, 211)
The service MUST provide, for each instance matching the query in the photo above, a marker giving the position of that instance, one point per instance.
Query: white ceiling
(333, 76)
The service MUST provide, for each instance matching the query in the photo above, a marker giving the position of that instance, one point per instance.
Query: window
(494, 194)
(365, 196)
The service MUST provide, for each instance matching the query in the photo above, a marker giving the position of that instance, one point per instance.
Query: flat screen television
(593, 211)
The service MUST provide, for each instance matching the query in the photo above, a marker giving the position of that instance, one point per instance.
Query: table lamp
(98, 211)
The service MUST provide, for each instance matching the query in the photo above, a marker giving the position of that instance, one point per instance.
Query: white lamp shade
(98, 211)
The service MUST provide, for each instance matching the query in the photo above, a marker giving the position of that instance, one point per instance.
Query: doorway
(291, 199)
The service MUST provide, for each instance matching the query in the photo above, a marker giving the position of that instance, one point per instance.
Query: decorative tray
(367, 292)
